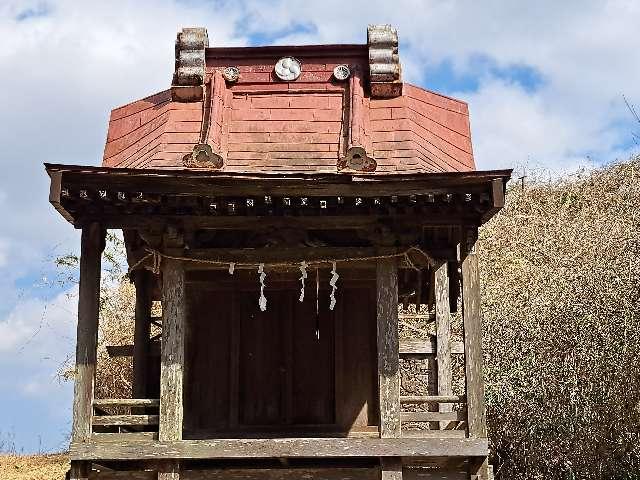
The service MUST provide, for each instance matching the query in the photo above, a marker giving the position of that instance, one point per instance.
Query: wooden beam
(172, 354)
(391, 468)
(426, 346)
(388, 347)
(124, 420)
(443, 336)
(329, 473)
(497, 199)
(433, 399)
(442, 417)
(141, 344)
(473, 339)
(282, 447)
(91, 246)
(79, 470)
(195, 183)
(126, 402)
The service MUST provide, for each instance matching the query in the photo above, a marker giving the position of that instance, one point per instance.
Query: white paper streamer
(262, 301)
(303, 271)
(332, 282)
(232, 268)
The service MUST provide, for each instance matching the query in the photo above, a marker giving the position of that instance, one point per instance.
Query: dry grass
(33, 467)
(561, 281)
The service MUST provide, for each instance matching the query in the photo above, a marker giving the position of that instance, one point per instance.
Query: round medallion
(288, 68)
(341, 72)
(231, 74)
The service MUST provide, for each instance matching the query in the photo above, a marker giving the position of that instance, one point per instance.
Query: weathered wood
(443, 336)
(479, 469)
(415, 433)
(391, 468)
(79, 470)
(388, 347)
(91, 246)
(426, 346)
(126, 402)
(433, 399)
(142, 280)
(172, 355)
(283, 474)
(497, 199)
(169, 470)
(124, 437)
(284, 447)
(473, 342)
(123, 475)
(252, 184)
(443, 417)
(124, 420)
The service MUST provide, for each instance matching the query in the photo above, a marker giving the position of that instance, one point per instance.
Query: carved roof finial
(385, 72)
(189, 75)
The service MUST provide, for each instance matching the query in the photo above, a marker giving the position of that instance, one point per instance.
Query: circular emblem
(231, 74)
(341, 72)
(288, 68)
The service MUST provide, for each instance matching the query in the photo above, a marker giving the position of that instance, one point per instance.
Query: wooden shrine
(287, 209)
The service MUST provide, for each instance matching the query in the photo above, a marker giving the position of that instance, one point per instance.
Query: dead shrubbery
(560, 285)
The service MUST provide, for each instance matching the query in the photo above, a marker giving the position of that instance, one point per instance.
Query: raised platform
(410, 448)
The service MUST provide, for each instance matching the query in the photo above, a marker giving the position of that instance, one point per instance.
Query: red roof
(260, 123)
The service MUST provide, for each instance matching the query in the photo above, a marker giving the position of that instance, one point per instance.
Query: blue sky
(544, 85)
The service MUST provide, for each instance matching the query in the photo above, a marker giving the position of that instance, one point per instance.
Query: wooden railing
(449, 423)
(143, 423)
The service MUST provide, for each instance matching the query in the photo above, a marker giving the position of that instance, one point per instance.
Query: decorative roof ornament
(288, 69)
(203, 156)
(384, 62)
(231, 74)
(189, 75)
(341, 72)
(357, 159)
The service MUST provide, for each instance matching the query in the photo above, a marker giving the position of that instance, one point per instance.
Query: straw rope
(156, 258)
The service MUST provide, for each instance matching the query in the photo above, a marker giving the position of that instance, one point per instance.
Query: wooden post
(172, 355)
(443, 340)
(388, 348)
(388, 359)
(142, 281)
(473, 350)
(91, 246)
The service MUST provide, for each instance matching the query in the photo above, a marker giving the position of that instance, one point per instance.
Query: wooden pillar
(388, 348)
(388, 360)
(443, 340)
(472, 323)
(172, 355)
(172, 361)
(142, 280)
(91, 247)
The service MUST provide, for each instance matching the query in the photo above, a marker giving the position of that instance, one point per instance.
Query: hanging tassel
(232, 268)
(262, 302)
(333, 282)
(303, 271)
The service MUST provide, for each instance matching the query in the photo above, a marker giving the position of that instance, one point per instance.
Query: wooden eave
(120, 197)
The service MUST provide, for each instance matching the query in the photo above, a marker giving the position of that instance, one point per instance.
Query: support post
(443, 340)
(172, 355)
(91, 247)
(142, 281)
(388, 347)
(472, 323)
(172, 361)
(388, 359)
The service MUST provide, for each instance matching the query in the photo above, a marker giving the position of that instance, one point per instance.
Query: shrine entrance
(297, 368)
